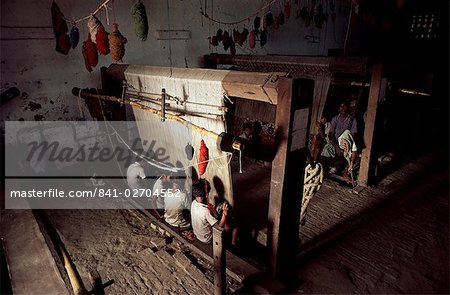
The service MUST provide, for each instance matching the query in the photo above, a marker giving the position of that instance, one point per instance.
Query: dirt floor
(393, 238)
(389, 239)
(122, 247)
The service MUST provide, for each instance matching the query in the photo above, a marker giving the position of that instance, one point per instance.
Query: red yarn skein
(102, 41)
(92, 54)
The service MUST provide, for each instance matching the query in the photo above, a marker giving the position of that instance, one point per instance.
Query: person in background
(247, 133)
(320, 141)
(340, 123)
(343, 130)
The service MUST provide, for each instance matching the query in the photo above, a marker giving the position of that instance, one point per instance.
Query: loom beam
(86, 95)
(225, 141)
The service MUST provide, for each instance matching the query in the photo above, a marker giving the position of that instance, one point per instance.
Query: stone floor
(124, 248)
(393, 238)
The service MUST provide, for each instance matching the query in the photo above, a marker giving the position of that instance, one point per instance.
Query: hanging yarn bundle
(287, 9)
(244, 35)
(226, 40)
(269, 19)
(102, 40)
(252, 39)
(140, 20)
(117, 43)
(263, 24)
(202, 158)
(90, 54)
(263, 38)
(60, 30)
(256, 24)
(85, 56)
(93, 26)
(74, 36)
(63, 44)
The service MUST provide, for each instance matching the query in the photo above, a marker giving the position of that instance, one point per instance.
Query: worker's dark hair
(344, 102)
(247, 125)
(198, 189)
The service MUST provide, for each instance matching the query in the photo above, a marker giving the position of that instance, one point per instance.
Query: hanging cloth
(140, 21)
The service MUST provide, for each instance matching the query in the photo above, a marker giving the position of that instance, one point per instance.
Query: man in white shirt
(202, 220)
(157, 200)
(134, 173)
(175, 202)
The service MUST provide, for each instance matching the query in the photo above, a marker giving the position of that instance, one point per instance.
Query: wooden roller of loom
(225, 141)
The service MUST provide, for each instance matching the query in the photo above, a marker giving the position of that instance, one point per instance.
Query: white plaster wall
(47, 77)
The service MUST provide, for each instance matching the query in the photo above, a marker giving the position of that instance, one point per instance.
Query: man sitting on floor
(157, 199)
(342, 130)
(175, 203)
(202, 219)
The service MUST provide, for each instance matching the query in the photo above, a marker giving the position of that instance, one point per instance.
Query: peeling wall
(45, 78)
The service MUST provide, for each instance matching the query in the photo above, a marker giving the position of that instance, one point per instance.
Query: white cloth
(156, 193)
(328, 148)
(134, 172)
(202, 221)
(347, 144)
(174, 203)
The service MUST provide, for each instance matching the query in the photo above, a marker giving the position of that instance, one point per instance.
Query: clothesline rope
(100, 7)
(240, 21)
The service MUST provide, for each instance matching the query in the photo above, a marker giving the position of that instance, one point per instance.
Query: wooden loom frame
(286, 179)
(312, 68)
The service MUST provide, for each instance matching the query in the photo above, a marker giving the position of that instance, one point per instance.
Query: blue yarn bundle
(74, 36)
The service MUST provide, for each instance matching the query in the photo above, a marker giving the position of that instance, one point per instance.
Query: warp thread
(93, 26)
(60, 30)
(140, 21)
(117, 43)
(74, 36)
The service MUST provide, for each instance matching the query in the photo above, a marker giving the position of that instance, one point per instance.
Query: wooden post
(366, 166)
(220, 283)
(286, 183)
